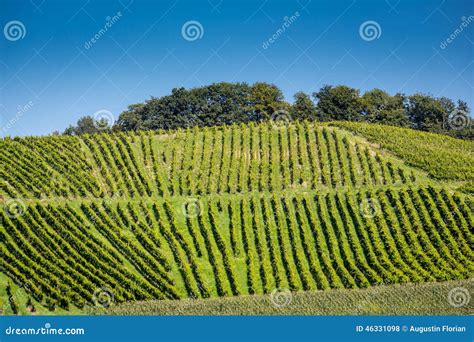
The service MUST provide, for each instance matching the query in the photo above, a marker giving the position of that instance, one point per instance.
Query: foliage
(441, 156)
(303, 108)
(235, 103)
(88, 125)
(379, 107)
(234, 159)
(424, 299)
(397, 244)
(427, 113)
(302, 207)
(216, 104)
(338, 103)
(12, 300)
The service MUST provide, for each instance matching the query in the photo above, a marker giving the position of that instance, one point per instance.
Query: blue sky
(49, 77)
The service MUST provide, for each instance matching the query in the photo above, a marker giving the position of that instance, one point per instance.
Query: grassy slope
(84, 167)
(407, 299)
(317, 303)
(441, 156)
(21, 297)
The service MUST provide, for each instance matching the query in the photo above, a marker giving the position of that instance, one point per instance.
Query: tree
(215, 104)
(428, 113)
(459, 122)
(69, 130)
(227, 103)
(265, 100)
(84, 125)
(132, 118)
(338, 103)
(87, 125)
(380, 107)
(303, 108)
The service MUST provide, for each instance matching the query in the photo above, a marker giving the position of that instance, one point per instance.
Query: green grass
(228, 212)
(441, 156)
(232, 159)
(406, 299)
(20, 296)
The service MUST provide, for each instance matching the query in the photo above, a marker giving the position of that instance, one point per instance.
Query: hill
(425, 299)
(230, 211)
(443, 157)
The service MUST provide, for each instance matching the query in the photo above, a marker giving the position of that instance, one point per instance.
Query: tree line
(227, 103)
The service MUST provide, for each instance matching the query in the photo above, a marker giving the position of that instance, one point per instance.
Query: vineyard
(234, 159)
(441, 156)
(226, 212)
(425, 299)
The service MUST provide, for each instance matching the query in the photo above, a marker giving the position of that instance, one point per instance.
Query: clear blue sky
(48, 78)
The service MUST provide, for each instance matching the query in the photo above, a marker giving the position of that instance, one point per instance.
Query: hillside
(425, 299)
(441, 156)
(235, 159)
(230, 211)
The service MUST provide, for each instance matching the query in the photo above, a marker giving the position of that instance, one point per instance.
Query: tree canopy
(88, 125)
(216, 104)
(228, 103)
